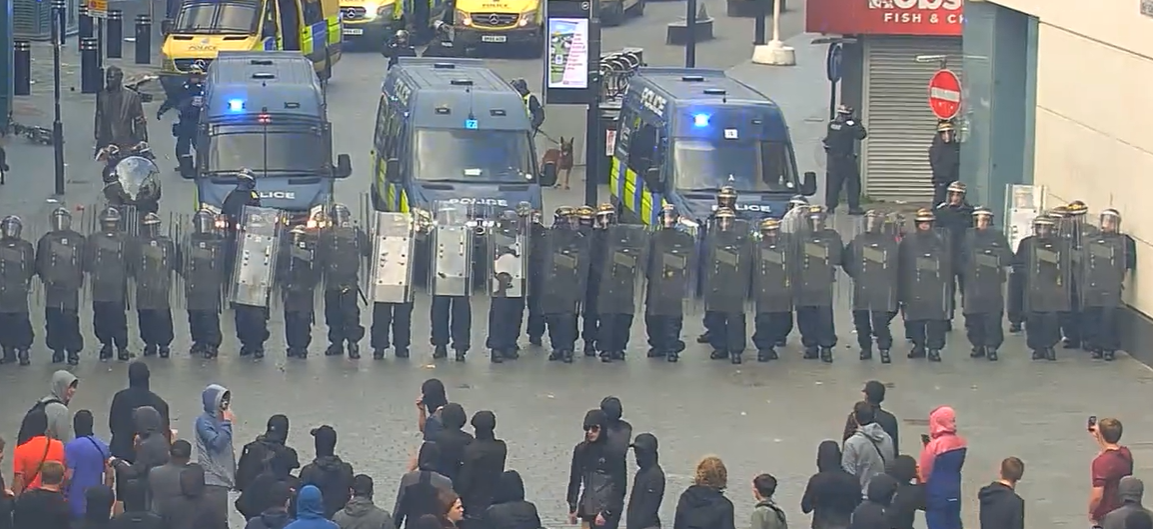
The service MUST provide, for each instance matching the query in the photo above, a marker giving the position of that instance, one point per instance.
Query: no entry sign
(945, 94)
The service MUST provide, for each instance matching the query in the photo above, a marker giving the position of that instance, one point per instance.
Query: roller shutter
(895, 156)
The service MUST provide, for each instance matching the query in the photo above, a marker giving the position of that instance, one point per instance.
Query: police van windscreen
(273, 152)
(501, 156)
(224, 18)
(747, 165)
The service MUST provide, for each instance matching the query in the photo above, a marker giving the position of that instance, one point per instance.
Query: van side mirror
(392, 170)
(343, 166)
(548, 174)
(653, 180)
(809, 184)
(166, 26)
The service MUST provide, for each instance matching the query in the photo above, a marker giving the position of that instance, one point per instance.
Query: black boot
(977, 352)
(496, 357)
(1038, 354)
(334, 349)
(164, 351)
(460, 354)
(510, 354)
(149, 350)
(590, 349)
(1098, 354)
(735, 358)
(441, 351)
(353, 351)
(73, 358)
(258, 352)
(302, 353)
(567, 355)
(827, 355)
(123, 355)
(106, 352)
(704, 338)
(885, 358)
(811, 352)
(767, 355)
(197, 348)
(1110, 355)
(866, 353)
(22, 357)
(606, 357)
(934, 355)
(402, 352)
(1050, 354)
(57, 356)
(991, 354)
(718, 354)
(9, 356)
(211, 352)
(673, 357)
(245, 351)
(555, 355)
(917, 352)
(1015, 327)
(378, 353)
(653, 353)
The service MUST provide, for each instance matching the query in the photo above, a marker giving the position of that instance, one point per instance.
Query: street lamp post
(57, 125)
(775, 53)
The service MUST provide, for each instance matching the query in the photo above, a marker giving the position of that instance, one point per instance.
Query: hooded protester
(432, 399)
(1130, 490)
(214, 449)
(874, 393)
(870, 514)
(188, 511)
(120, 420)
(910, 496)
(276, 516)
(592, 494)
(1002, 508)
(256, 456)
(151, 450)
(419, 489)
(136, 515)
(98, 515)
(258, 496)
(310, 510)
(941, 462)
(361, 512)
(328, 472)
(86, 458)
(164, 480)
(452, 441)
(831, 494)
(620, 437)
(703, 505)
(648, 486)
(867, 451)
(55, 406)
(509, 509)
(484, 460)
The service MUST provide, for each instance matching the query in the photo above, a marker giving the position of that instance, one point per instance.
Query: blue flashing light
(471, 124)
(235, 105)
(701, 120)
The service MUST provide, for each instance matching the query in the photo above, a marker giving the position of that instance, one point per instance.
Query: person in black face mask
(509, 509)
(452, 442)
(328, 472)
(592, 489)
(620, 435)
(831, 494)
(256, 456)
(648, 485)
(484, 461)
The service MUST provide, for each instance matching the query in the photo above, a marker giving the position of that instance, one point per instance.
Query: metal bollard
(59, 10)
(90, 77)
(85, 25)
(143, 39)
(114, 44)
(22, 68)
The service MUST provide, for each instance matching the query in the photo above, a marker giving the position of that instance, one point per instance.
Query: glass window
(218, 18)
(272, 152)
(482, 155)
(746, 165)
(312, 12)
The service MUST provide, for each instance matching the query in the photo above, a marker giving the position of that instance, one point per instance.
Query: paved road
(759, 418)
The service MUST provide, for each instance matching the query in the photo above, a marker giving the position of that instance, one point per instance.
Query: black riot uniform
(819, 252)
(398, 47)
(342, 248)
(152, 260)
(17, 266)
(298, 275)
(871, 260)
(251, 319)
(105, 254)
(202, 268)
(1045, 259)
(534, 322)
(944, 160)
(565, 259)
(727, 278)
(671, 265)
(590, 320)
(60, 265)
(244, 195)
(1072, 228)
(924, 292)
(773, 258)
(954, 218)
(1107, 255)
(188, 102)
(984, 260)
(726, 198)
(507, 263)
(620, 272)
(840, 143)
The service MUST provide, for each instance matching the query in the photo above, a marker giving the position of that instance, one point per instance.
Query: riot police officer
(727, 267)
(243, 195)
(298, 276)
(506, 305)
(105, 254)
(60, 265)
(1046, 261)
(450, 311)
(564, 272)
(392, 301)
(984, 258)
(840, 143)
(871, 261)
(342, 248)
(1074, 229)
(954, 217)
(819, 253)
(1107, 255)
(772, 288)
(202, 268)
(944, 160)
(726, 198)
(399, 47)
(590, 320)
(534, 322)
(249, 292)
(17, 266)
(924, 292)
(621, 271)
(671, 265)
(152, 261)
(188, 102)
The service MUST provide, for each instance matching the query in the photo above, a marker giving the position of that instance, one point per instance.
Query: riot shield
(816, 255)
(564, 270)
(1105, 258)
(451, 245)
(202, 271)
(986, 261)
(1023, 203)
(257, 249)
(1048, 275)
(727, 268)
(672, 274)
(872, 259)
(507, 244)
(390, 270)
(926, 276)
(772, 273)
(622, 276)
(152, 263)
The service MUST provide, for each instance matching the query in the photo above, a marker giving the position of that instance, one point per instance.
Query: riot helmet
(562, 216)
(1110, 221)
(110, 219)
(11, 227)
(924, 219)
(795, 202)
(509, 215)
(196, 71)
(874, 221)
(955, 193)
(844, 111)
(584, 216)
(536, 217)
(203, 222)
(524, 209)
(727, 197)
(982, 218)
(725, 218)
(137, 181)
(297, 234)
(668, 216)
(402, 38)
(1077, 209)
(245, 179)
(60, 219)
(1044, 225)
(606, 215)
(521, 86)
(947, 131)
(1058, 213)
(151, 224)
(818, 218)
(340, 216)
(770, 227)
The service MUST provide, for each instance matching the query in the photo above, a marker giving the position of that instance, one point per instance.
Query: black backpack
(25, 432)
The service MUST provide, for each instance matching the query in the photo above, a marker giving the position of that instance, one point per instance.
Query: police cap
(1059, 212)
(605, 209)
(563, 211)
(151, 219)
(1077, 208)
(299, 229)
(1045, 220)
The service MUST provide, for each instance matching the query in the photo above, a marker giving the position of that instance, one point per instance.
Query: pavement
(757, 417)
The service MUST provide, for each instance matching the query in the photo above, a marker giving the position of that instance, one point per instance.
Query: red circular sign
(945, 94)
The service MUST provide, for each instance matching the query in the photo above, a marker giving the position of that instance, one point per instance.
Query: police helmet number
(480, 201)
(654, 102)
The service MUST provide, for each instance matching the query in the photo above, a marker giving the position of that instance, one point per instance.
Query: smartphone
(1092, 422)
(925, 439)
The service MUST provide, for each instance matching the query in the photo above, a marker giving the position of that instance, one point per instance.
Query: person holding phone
(215, 450)
(1112, 463)
(941, 461)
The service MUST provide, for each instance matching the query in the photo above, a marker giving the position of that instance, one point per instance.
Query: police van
(686, 133)
(265, 111)
(451, 130)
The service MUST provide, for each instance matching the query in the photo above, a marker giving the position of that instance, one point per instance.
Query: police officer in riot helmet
(727, 198)
(618, 270)
(392, 318)
(772, 289)
(106, 264)
(590, 317)
(727, 286)
(534, 322)
(585, 218)
(840, 143)
(342, 248)
(984, 257)
(152, 261)
(563, 216)
(1046, 290)
(298, 275)
(531, 104)
(251, 321)
(925, 295)
(813, 288)
(202, 268)
(1107, 256)
(1073, 228)
(188, 101)
(944, 160)
(17, 266)
(871, 261)
(399, 47)
(664, 316)
(505, 312)
(955, 217)
(243, 195)
(60, 265)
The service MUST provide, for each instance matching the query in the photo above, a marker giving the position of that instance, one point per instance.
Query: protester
(61, 391)
(360, 512)
(703, 505)
(509, 509)
(831, 494)
(214, 449)
(29, 458)
(1002, 508)
(451, 441)
(164, 480)
(189, 510)
(255, 456)
(432, 399)
(451, 510)
(419, 489)
(275, 516)
(310, 507)
(1131, 490)
(619, 435)
(257, 498)
(870, 514)
(910, 496)
(766, 514)
(648, 490)
(874, 393)
(98, 500)
(87, 461)
(1112, 463)
(136, 515)
(151, 450)
(484, 460)
(43, 506)
(328, 472)
(591, 496)
(1139, 520)
(120, 420)
(868, 450)
(941, 462)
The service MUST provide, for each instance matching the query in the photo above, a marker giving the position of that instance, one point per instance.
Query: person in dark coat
(1002, 508)
(257, 497)
(451, 441)
(361, 512)
(418, 493)
(874, 393)
(484, 460)
(120, 420)
(189, 510)
(509, 509)
(98, 502)
(328, 472)
(592, 497)
(257, 455)
(276, 516)
(870, 514)
(910, 496)
(44, 507)
(432, 399)
(831, 494)
(620, 437)
(136, 514)
(703, 505)
(151, 450)
(648, 486)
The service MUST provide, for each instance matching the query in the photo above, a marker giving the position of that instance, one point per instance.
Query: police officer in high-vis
(188, 102)
(531, 104)
(60, 265)
(840, 142)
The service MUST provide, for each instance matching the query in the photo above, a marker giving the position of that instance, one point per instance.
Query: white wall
(1093, 141)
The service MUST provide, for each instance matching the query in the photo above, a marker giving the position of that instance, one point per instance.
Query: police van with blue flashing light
(266, 111)
(686, 133)
(452, 130)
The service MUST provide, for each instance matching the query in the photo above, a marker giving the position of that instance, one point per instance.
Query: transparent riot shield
(507, 249)
(772, 273)
(622, 272)
(727, 267)
(1048, 275)
(257, 250)
(451, 245)
(202, 272)
(1023, 203)
(1105, 258)
(564, 270)
(390, 273)
(673, 262)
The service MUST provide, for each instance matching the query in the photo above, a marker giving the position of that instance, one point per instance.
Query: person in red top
(28, 459)
(1111, 464)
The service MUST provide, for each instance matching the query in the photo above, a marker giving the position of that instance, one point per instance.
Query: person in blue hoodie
(214, 449)
(310, 511)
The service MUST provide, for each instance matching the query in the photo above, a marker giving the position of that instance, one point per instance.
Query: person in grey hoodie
(60, 392)
(164, 481)
(360, 512)
(868, 450)
(1130, 491)
(151, 450)
(214, 449)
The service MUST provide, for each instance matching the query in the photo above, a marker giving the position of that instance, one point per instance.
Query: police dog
(562, 157)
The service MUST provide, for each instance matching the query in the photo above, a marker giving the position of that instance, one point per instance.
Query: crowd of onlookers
(65, 477)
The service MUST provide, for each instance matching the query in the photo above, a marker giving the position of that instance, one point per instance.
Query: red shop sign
(884, 17)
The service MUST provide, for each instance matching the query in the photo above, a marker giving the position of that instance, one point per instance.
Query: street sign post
(945, 94)
(98, 8)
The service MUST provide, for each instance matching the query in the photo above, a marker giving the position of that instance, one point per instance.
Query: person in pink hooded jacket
(941, 461)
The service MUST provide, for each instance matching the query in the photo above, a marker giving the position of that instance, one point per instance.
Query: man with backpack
(256, 456)
(55, 407)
